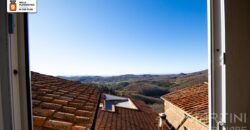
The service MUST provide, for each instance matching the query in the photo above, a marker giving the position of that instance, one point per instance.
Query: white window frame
(216, 50)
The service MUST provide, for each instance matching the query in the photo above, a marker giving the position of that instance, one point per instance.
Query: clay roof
(193, 100)
(128, 119)
(60, 104)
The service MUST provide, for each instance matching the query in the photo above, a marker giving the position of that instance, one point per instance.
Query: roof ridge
(185, 88)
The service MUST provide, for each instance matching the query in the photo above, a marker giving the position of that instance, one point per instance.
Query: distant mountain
(128, 77)
(105, 79)
(146, 87)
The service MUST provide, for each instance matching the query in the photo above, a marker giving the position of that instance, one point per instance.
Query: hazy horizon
(109, 37)
(125, 74)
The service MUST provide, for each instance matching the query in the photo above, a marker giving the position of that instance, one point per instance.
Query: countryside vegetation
(148, 88)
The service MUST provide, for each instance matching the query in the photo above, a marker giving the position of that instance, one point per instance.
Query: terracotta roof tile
(64, 116)
(193, 100)
(60, 104)
(58, 125)
(69, 109)
(83, 113)
(77, 127)
(82, 119)
(43, 112)
(38, 120)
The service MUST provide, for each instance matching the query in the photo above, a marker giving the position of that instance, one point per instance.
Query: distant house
(120, 113)
(187, 108)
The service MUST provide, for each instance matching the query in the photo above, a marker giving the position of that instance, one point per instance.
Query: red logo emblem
(12, 6)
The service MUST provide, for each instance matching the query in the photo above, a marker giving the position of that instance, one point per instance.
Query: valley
(148, 88)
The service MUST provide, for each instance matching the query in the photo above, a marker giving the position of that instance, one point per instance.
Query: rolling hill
(148, 88)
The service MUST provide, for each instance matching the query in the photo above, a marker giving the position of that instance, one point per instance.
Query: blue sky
(114, 37)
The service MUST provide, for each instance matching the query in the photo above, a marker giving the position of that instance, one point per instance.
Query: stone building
(187, 108)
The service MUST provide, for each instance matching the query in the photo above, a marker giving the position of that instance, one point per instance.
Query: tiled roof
(128, 119)
(60, 104)
(193, 100)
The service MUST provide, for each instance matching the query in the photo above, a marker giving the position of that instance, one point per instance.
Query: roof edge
(202, 123)
(96, 112)
(188, 87)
